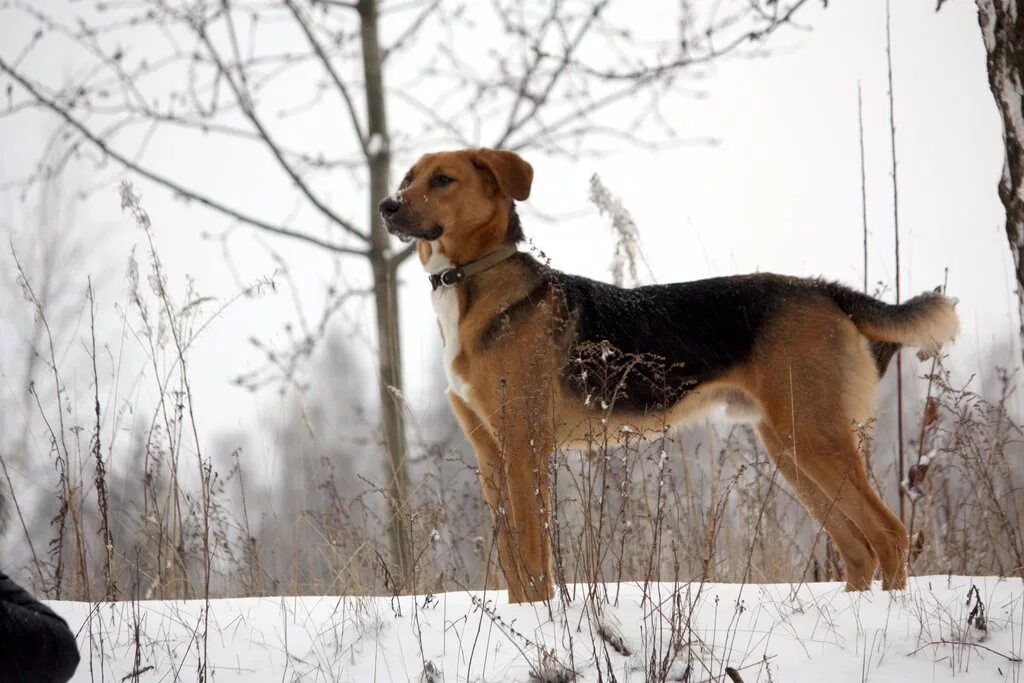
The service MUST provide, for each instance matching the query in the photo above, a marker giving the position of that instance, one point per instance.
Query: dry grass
(172, 520)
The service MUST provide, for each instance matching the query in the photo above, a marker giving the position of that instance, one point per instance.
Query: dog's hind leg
(814, 379)
(859, 560)
(833, 463)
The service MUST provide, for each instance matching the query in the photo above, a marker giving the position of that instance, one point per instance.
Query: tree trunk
(1002, 27)
(385, 292)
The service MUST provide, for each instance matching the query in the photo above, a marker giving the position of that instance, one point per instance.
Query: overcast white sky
(780, 192)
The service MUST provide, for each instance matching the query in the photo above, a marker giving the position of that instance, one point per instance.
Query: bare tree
(1002, 28)
(560, 77)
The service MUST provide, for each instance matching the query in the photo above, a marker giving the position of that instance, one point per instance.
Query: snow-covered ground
(942, 628)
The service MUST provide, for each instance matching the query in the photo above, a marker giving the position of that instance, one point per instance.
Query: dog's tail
(925, 322)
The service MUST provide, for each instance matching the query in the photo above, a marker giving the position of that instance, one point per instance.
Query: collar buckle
(447, 278)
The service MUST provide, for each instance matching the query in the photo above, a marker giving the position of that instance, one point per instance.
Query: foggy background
(759, 172)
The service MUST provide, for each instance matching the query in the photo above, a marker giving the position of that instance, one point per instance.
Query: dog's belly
(582, 425)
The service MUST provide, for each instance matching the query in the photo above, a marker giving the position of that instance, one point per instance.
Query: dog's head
(464, 200)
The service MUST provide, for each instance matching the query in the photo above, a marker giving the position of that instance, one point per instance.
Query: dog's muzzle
(400, 223)
(389, 207)
(388, 210)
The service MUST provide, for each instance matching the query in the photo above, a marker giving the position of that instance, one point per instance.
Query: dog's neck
(436, 260)
(444, 274)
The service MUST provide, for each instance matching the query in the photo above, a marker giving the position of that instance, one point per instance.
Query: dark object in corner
(35, 643)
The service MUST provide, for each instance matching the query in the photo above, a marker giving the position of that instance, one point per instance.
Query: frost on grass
(627, 237)
(941, 629)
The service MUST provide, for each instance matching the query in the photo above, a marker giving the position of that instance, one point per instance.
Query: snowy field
(942, 629)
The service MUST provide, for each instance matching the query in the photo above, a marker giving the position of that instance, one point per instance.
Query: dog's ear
(513, 174)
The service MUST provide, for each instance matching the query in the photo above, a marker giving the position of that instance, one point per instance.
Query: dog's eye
(441, 180)
(407, 179)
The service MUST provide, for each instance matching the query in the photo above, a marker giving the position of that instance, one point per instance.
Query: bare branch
(649, 72)
(552, 68)
(209, 202)
(410, 31)
(399, 257)
(564, 61)
(331, 72)
(335, 3)
(249, 109)
(436, 119)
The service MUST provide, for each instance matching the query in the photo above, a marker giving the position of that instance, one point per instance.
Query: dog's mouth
(408, 233)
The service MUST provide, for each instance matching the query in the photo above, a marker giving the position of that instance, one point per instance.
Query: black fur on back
(644, 348)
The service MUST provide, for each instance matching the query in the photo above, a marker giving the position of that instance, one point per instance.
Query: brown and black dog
(538, 359)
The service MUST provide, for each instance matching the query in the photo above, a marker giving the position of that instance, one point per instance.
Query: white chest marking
(446, 308)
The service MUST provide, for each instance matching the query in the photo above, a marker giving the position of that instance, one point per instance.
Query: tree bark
(1002, 27)
(385, 290)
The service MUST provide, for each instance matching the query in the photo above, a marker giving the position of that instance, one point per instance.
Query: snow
(375, 145)
(772, 632)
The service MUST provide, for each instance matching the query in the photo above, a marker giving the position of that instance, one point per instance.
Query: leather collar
(449, 277)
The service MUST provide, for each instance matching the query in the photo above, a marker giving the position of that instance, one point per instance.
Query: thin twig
(901, 460)
(128, 163)
(863, 184)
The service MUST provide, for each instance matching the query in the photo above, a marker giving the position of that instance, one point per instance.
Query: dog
(538, 359)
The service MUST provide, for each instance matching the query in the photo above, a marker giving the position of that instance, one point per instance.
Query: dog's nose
(389, 206)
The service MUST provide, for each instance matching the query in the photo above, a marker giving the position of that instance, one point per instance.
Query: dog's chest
(446, 308)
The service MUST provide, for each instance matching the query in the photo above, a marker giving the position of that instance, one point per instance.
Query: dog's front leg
(523, 426)
(515, 483)
(525, 518)
(491, 472)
